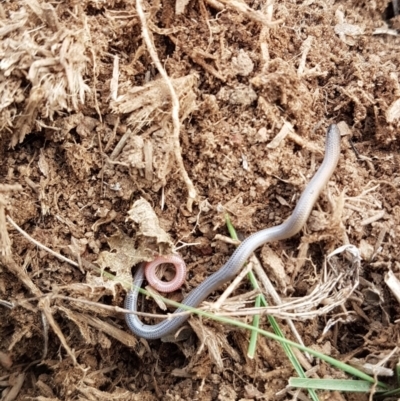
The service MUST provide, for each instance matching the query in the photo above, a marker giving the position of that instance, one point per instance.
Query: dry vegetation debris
(230, 118)
(42, 68)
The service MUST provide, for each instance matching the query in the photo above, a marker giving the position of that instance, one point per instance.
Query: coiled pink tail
(150, 272)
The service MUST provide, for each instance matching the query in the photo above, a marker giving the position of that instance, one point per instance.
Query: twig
(44, 305)
(270, 289)
(111, 308)
(217, 305)
(81, 318)
(227, 240)
(305, 47)
(242, 7)
(199, 57)
(268, 10)
(21, 274)
(45, 324)
(15, 389)
(377, 216)
(39, 245)
(7, 304)
(175, 106)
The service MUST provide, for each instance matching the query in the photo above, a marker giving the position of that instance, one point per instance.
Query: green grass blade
(355, 386)
(231, 229)
(254, 335)
(256, 321)
(387, 394)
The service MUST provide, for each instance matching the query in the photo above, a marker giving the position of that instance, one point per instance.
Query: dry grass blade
(214, 341)
(44, 305)
(81, 320)
(5, 243)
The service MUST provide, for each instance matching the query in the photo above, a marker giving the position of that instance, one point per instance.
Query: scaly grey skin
(233, 266)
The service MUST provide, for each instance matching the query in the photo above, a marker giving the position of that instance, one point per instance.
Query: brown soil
(86, 132)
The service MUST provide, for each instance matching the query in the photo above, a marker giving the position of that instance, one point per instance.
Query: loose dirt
(92, 166)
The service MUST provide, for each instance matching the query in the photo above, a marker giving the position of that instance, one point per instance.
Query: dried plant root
(192, 193)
